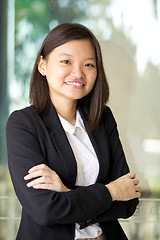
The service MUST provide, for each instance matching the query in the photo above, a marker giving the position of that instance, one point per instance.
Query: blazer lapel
(62, 145)
(100, 144)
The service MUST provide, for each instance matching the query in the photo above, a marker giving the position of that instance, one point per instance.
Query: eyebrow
(70, 55)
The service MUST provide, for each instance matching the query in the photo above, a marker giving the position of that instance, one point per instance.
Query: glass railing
(144, 224)
(10, 211)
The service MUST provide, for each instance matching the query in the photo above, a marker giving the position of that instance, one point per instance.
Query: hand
(46, 178)
(125, 188)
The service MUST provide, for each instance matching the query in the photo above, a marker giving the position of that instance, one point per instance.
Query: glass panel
(129, 33)
(145, 223)
(10, 212)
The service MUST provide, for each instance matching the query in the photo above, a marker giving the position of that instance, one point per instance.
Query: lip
(75, 83)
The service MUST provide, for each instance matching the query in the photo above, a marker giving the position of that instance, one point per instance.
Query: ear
(42, 66)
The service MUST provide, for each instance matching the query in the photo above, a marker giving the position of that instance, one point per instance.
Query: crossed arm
(122, 189)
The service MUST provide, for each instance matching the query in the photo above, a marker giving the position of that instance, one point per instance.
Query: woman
(65, 157)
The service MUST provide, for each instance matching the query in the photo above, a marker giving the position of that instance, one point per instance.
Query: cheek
(61, 72)
(93, 78)
(92, 83)
(56, 75)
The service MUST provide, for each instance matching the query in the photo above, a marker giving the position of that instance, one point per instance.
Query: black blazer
(48, 215)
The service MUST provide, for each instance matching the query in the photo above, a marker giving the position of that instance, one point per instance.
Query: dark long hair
(92, 104)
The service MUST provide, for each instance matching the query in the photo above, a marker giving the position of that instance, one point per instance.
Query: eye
(66, 62)
(90, 65)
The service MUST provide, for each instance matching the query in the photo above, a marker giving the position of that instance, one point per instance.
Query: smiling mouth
(75, 84)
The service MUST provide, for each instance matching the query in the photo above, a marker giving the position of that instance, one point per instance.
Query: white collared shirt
(87, 163)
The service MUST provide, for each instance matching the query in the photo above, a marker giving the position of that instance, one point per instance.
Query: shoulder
(24, 112)
(108, 115)
(25, 116)
(108, 120)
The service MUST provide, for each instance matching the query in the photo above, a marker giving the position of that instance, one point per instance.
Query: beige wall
(122, 76)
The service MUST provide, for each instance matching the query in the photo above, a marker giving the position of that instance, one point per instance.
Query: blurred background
(129, 34)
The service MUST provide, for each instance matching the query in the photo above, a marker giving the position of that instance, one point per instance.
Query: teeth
(74, 83)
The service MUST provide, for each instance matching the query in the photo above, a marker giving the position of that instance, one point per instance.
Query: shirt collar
(68, 127)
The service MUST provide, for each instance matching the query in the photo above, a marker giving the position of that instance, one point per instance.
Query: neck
(66, 109)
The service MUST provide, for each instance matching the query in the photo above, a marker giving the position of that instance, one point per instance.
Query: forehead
(80, 47)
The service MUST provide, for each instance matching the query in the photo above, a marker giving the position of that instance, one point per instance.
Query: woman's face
(70, 70)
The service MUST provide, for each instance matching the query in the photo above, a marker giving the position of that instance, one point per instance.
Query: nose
(77, 72)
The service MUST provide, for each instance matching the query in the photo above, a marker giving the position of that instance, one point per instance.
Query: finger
(47, 186)
(135, 181)
(38, 167)
(35, 174)
(36, 181)
(41, 180)
(138, 194)
(138, 189)
(131, 175)
(42, 173)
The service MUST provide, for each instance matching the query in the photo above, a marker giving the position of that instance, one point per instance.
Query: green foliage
(33, 20)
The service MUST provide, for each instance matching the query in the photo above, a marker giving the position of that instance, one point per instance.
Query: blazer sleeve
(119, 167)
(47, 207)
